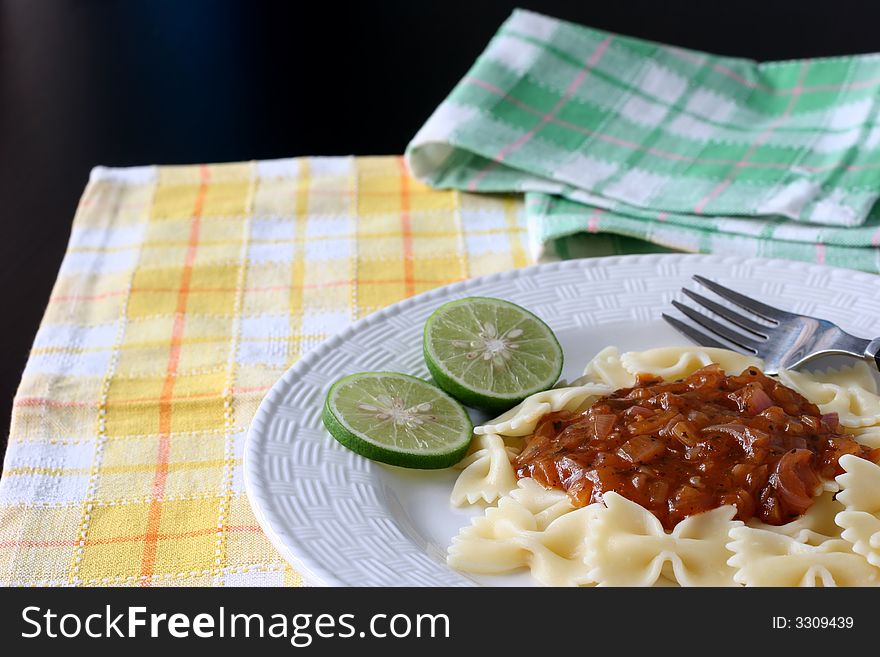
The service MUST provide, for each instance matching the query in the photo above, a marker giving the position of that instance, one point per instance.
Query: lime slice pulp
(490, 353)
(397, 419)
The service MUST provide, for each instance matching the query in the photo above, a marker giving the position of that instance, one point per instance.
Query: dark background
(160, 82)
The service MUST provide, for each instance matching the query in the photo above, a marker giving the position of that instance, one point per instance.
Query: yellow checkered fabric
(184, 294)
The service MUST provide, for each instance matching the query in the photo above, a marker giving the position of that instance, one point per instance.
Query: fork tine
(718, 329)
(699, 337)
(728, 314)
(760, 309)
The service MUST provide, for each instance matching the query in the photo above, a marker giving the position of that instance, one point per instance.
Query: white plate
(341, 519)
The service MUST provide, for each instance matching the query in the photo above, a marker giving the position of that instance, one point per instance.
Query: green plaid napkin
(651, 143)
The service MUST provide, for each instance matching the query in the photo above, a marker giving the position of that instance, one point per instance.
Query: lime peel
(397, 419)
(490, 353)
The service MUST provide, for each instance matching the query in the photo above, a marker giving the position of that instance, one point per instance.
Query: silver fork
(788, 341)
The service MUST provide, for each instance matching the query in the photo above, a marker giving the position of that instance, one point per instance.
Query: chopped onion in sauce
(682, 447)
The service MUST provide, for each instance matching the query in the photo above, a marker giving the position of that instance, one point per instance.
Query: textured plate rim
(296, 552)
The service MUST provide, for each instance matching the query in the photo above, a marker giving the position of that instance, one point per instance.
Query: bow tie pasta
(486, 471)
(619, 542)
(530, 528)
(627, 546)
(851, 392)
(522, 418)
(806, 552)
(672, 363)
(860, 495)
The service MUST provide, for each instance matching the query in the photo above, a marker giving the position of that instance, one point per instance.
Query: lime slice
(397, 419)
(489, 353)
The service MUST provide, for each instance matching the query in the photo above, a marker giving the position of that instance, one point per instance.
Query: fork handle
(872, 352)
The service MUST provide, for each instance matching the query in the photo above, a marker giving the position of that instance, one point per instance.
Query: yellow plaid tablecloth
(184, 294)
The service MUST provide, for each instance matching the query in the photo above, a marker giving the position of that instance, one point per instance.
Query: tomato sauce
(679, 448)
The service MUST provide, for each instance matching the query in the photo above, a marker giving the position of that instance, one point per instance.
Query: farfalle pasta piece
(605, 367)
(673, 363)
(522, 418)
(830, 486)
(869, 436)
(806, 552)
(627, 546)
(621, 543)
(766, 558)
(530, 528)
(860, 496)
(851, 392)
(487, 473)
(816, 525)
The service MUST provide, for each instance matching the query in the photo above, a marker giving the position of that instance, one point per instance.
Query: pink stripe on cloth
(749, 84)
(668, 155)
(547, 118)
(718, 68)
(593, 222)
(764, 136)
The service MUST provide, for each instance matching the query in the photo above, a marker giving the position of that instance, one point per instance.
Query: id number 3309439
(813, 622)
